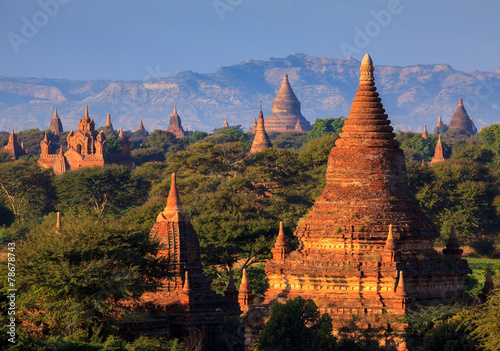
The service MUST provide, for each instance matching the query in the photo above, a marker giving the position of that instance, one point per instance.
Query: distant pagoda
(261, 140)
(285, 112)
(175, 125)
(56, 124)
(461, 120)
(13, 147)
(440, 128)
(108, 127)
(438, 153)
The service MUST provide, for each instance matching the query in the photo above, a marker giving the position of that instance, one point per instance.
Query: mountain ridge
(412, 95)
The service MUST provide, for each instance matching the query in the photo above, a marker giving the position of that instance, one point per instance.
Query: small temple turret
(141, 127)
(108, 127)
(231, 292)
(424, 134)
(175, 125)
(401, 290)
(253, 128)
(453, 247)
(56, 124)
(120, 134)
(45, 145)
(261, 140)
(438, 153)
(126, 145)
(488, 286)
(440, 128)
(244, 294)
(281, 248)
(58, 223)
(225, 125)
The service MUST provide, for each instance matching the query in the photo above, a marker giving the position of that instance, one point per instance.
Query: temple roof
(261, 141)
(286, 110)
(461, 119)
(56, 124)
(175, 124)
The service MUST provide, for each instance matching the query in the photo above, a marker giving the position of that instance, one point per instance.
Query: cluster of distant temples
(365, 248)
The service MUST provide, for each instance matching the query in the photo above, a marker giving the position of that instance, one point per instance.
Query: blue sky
(125, 39)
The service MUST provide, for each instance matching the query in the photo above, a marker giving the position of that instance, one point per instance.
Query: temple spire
(58, 222)
(261, 140)
(244, 294)
(225, 125)
(438, 153)
(61, 153)
(141, 126)
(187, 286)
(173, 206)
(231, 292)
(390, 243)
(120, 135)
(175, 111)
(108, 126)
(87, 112)
(401, 287)
(55, 113)
(424, 134)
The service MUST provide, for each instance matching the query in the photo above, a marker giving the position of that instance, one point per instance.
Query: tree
(26, 189)
(79, 279)
(297, 325)
(483, 322)
(289, 140)
(108, 188)
(322, 127)
(161, 139)
(490, 137)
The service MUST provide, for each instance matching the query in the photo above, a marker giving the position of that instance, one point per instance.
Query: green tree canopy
(322, 127)
(490, 137)
(297, 325)
(109, 188)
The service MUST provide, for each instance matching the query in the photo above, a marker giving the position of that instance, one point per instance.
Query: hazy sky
(125, 39)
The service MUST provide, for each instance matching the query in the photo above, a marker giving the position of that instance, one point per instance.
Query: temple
(13, 147)
(424, 134)
(285, 113)
(462, 121)
(225, 124)
(261, 140)
(86, 148)
(253, 128)
(438, 153)
(141, 127)
(440, 128)
(56, 124)
(108, 127)
(175, 125)
(185, 297)
(365, 248)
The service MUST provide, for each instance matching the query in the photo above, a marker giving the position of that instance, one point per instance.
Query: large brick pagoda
(285, 113)
(462, 121)
(365, 248)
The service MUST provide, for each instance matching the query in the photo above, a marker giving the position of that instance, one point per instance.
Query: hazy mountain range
(412, 96)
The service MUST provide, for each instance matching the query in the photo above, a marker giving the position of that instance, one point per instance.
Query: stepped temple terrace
(285, 113)
(365, 248)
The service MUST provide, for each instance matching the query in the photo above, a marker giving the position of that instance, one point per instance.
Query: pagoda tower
(424, 134)
(286, 111)
(440, 127)
(141, 127)
(438, 153)
(461, 120)
(175, 125)
(253, 128)
(13, 147)
(225, 124)
(108, 127)
(366, 230)
(261, 140)
(185, 294)
(56, 124)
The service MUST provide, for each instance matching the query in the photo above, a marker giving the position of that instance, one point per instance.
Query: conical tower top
(55, 113)
(108, 122)
(120, 135)
(225, 125)
(173, 203)
(87, 112)
(175, 111)
(401, 286)
(58, 222)
(45, 139)
(438, 153)
(281, 239)
(424, 134)
(390, 243)
(141, 126)
(187, 286)
(244, 285)
(61, 153)
(261, 140)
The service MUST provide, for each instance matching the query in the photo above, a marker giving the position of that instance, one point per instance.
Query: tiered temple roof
(175, 125)
(13, 147)
(366, 230)
(285, 113)
(55, 123)
(461, 120)
(261, 140)
(185, 294)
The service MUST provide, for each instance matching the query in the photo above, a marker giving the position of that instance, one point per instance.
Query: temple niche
(86, 148)
(285, 113)
(365, 248)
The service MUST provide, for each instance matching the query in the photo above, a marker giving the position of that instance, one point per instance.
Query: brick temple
(365, 248)
(462, 121)
(86, 148)
(175, 125)
(260, 141)
(185, 298)
(285, 113)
